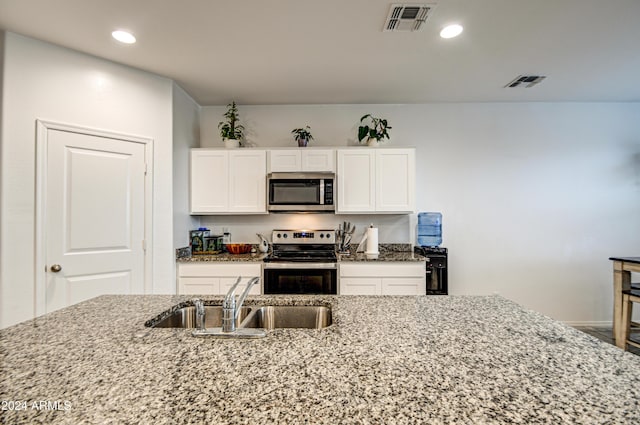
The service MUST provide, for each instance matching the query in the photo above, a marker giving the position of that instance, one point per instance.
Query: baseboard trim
(603, 324)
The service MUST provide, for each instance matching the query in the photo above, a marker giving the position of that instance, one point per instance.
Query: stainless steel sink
(266, 317)
(284, 316)
(186, 317)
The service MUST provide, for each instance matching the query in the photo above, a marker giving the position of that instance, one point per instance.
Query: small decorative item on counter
(212, 245)
(196, 240)
(264, 243)
(302, 136)
(226, 237)
(239, 248)
(374, 131)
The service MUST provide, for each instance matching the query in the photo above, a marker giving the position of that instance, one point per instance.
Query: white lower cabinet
(216, 278)
(388, 278)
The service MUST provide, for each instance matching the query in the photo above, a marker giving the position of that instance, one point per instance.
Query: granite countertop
(383, 256)
(225, 257)
(388, 252)
(401, 360)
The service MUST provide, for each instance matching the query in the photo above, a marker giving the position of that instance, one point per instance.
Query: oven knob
(328, 236)
(278, 235)
(285, 236)
(322, 235)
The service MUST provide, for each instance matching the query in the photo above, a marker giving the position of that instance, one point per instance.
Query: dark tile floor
(606, 335)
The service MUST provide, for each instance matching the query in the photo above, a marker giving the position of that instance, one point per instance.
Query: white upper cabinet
(228, 181)
(356, 178)
(395, 180)
(284, 161)
(376, 180)
(303, 159)
(247, 181)
(209, 181)
(321, 160)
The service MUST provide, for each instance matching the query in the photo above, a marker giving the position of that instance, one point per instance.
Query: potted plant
(374, 130)
(230, 131)
(302, 136)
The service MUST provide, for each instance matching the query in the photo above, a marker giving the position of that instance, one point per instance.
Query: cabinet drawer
(404, 286)
(391, 269)
(360, 286)
(198, 286)
(227, 282)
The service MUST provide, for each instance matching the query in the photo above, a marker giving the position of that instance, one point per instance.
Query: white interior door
(94, 217)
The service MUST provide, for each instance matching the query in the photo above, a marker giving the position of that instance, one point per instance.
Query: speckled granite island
(385, 360)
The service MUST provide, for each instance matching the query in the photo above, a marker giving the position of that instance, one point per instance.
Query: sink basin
(284, 316)
(250, 318)
(186, 317)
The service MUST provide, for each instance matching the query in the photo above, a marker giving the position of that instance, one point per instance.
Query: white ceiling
(334, 51)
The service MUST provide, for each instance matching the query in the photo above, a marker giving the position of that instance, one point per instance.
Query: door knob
(56, 268)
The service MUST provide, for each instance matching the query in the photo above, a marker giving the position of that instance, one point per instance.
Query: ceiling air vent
(525, 81)
(407, 17)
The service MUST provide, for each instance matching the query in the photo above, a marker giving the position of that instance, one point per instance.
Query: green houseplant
(374, 130)
(230, 131)
(302, 136)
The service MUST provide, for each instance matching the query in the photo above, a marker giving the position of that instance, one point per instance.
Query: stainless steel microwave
(301, 192)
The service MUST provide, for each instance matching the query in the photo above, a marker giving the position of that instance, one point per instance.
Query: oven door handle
(301, 265)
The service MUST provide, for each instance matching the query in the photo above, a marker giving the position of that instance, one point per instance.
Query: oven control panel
(303, 236)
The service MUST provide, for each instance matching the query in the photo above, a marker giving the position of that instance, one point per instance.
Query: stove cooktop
(303, 246)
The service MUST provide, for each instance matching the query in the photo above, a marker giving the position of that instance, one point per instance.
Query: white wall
(535, 196)
(43, 81)
(186, 135)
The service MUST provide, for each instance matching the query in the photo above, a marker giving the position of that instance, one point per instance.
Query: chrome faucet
(231, 308)
(199, 304)
(230, 313)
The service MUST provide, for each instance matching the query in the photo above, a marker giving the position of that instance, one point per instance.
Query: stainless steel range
(302, 262)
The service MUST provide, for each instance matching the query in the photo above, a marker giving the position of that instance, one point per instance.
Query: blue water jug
(429, 230)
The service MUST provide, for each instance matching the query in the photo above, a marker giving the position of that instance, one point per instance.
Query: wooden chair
(628, 326)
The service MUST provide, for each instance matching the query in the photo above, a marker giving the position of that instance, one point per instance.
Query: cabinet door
(209, 181)
(356, 179)
(319, 160)
(286, 160)
(404, 286)
(395, 180)
(227, 282)
(360, 286)
(216, 278)
(247, 178)
(198, 286)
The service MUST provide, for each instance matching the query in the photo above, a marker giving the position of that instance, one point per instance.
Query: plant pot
(373, 143)
(302, 143)
(231, 143)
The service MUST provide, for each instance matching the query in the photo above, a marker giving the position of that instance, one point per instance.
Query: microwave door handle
(321, 191)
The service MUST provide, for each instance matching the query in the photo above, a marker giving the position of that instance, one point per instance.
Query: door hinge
(145, 168)
(144, 245)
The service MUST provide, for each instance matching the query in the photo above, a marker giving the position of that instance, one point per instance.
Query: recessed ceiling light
(451, 31)
(123, 37)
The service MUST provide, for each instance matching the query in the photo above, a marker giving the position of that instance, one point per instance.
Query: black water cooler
(437, 283)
